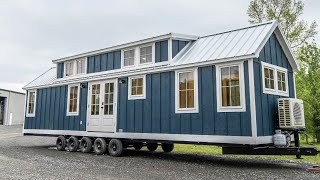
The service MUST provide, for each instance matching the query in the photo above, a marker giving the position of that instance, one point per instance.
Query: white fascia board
(127, 45)
(118, 73)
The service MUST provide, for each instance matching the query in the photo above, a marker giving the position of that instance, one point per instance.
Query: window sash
(230, 86)
(128, 57)
(145, 54)
(80, 66)
(186, 90)
(73, 100)
(278, 83)
(137, 86)
(31, 103)
(69, 68)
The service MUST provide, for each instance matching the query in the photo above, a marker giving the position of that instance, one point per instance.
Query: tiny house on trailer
(220, 89)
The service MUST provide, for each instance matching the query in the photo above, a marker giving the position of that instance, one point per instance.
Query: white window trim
(35, 104)
(78, 100)
(134, 58)
(153, 54)
(177, 97)
(242, 107)
(276, 69)
(74, 67)
(133, 97)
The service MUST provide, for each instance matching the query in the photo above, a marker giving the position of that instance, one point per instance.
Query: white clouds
(32, 33)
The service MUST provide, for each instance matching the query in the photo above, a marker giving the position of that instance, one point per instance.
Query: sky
(33, 33)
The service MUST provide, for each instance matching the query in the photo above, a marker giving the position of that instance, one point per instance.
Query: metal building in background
(11, 107)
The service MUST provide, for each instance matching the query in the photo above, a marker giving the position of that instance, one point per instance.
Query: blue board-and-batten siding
(104, 62)
(156, 113)
(51, 105)
(161, 51)
(177, 46)
(266, 104)
(60, 67)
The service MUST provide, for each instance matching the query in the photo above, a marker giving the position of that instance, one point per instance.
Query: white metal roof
(232, 45)
(45, 78)
(236, 43)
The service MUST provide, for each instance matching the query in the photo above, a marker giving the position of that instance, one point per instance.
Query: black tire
(152, 146)
(86, 145)
(73, 144)
(61, 143)
(137, 145)
(100, 146)
(115, 147)
(167, 147)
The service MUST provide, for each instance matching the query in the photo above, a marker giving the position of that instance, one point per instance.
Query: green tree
(287, 13)
(308, 83)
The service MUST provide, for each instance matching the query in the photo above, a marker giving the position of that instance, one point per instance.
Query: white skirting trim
(161, 137)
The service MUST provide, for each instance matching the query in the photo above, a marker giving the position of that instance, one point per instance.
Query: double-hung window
(146, 54)
(31, 103)
(186, 97)
(81, 66)
(128, 57)
(230, 88)
(69, 68)
(73, 100)
(275, 79)
(137, 87)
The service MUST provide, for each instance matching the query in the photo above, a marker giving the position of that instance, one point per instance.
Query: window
(73, 100)
(69, 68)
(187, 91)
(31, 103)
(282, 85)
(269, 78)
(128, 58)
(81, 66)
(230, 88)
(146, 54)
(275, 79)
(75, 67)
(137, 87)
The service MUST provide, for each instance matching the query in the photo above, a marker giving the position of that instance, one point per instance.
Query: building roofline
(1, 89)
(129, 44)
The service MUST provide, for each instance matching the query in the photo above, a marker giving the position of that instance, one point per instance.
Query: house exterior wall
(266, 104)
(51, 106)
(177, 46)
(156, 113)
(161, 54)
(104, 62)
(14, 107)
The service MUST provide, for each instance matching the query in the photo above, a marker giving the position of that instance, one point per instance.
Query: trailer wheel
(61, 143)
(73, 144)
(115, 147)
(100, 146)
(137, 145)
(85, 145)
(167, 147)
(152, 146)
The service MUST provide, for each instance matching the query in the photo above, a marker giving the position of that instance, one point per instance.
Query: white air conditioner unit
(291, 113)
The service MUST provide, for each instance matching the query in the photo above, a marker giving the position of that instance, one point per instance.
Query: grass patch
(215, 150)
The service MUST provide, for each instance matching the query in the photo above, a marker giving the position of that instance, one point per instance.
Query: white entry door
(102, 108)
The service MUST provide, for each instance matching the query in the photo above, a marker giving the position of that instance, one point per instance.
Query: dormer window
(146, 54)
(75, 67)
(128, 58)
(69, 68)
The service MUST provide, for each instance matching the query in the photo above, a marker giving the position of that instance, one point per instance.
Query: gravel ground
(32, 157)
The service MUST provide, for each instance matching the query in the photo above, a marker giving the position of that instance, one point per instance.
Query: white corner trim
(78, 100)
(214, 139)
(196, 94)
(242, 107)
(35, 103)
(133, 97)
(170, 50)
(252, 99)
(275, 75)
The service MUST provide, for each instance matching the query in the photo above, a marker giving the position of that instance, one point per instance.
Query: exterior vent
(291, 113)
